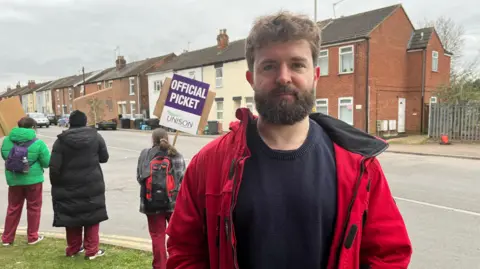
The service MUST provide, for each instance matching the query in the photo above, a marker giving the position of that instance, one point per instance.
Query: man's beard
(277, 110)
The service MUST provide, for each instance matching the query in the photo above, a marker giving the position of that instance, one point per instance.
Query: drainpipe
(367, 91)
(138, 88)
(422, 105)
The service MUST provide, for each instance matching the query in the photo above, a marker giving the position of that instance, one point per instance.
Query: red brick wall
(391, 72)
(335, 85)
(120, 89)
(442, 77)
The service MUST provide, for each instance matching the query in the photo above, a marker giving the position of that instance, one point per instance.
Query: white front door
(402, 105)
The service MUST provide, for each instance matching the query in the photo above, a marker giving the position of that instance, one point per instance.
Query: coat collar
(341, 133)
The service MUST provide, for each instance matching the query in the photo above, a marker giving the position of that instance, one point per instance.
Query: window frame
(217, 110)
(340, 59)
(435, 61)
(350, 98)
(131, 86)
(325, 105)
(134, 106)
(327, 56)
(218, 80)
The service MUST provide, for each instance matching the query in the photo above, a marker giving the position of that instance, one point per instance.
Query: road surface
(438, 197)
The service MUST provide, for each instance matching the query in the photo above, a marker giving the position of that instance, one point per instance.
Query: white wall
(40, 102)
(153, 95)
(25, 103)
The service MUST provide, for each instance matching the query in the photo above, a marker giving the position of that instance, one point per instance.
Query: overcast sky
(49, 39)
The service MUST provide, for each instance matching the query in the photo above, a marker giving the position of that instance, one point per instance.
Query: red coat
(370, 232)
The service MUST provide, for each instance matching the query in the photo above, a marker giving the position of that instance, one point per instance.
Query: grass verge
(50, 253)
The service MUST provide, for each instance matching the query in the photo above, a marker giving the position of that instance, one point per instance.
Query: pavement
(463, 151)
(438, 197)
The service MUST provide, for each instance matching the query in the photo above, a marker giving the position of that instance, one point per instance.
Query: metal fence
(459, 122)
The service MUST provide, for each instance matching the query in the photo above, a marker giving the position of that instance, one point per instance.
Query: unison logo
(177, 119)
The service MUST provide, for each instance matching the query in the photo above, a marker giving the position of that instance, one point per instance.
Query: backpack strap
(28, 143)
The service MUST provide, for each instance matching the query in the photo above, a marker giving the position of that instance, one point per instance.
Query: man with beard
(285, 189)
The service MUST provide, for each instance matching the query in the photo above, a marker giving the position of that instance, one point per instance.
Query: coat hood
(341, 133)
(22, 134)
(78, 137)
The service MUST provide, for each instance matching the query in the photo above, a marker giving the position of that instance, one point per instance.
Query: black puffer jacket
(78, 188)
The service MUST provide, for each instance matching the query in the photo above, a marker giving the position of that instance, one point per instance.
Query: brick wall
(335, 85)
(442, 77)
(394, 73)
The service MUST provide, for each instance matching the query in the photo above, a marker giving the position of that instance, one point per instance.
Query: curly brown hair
(282, 27)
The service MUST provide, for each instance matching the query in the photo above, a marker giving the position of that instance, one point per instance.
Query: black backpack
(160, 187)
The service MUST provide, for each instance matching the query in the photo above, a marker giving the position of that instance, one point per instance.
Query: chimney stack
(18, 85)
(9, 89)
(120, 62)
(222, 39)
(31, 84)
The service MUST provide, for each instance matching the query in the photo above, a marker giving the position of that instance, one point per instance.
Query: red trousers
(90, 240)
(16, 199)
(157, 225)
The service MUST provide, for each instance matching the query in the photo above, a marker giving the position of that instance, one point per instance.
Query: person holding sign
(287, 189)
(160, 171)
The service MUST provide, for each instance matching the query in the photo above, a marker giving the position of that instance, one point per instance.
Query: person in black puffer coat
(78, 187)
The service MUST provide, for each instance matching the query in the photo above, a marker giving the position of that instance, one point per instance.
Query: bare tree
(464, 85)
(452, 36)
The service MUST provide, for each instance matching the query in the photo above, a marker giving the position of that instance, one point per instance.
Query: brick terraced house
(378, 72)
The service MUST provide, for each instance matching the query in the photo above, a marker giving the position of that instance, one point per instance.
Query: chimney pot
(31, 84)
(222, 39)
(120, 62)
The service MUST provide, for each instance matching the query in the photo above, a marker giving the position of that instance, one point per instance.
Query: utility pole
(314, 90)
(83, 73)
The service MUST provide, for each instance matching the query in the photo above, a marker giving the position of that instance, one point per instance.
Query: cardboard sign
(11, 111)
(184, 104)
(98, 106)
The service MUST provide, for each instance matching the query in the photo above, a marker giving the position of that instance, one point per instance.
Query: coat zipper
(229, 222)
(349, 212)
(350, 206)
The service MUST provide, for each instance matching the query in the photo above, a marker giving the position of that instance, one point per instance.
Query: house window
(346, 59)
(435, 61)
(219, 110)
(219, 77)
(132, 108)
(323, 62)
(99, 86)
(122, 107)
(249, 103)
(70, 93)
(58, 95)
(71, 108)
(82, 90)
(322, 106)
(108, 84)
(192, 74)
(345, 109)
(132, 86)
(157, 86)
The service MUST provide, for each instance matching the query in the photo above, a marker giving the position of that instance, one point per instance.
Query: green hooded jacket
(38, 157)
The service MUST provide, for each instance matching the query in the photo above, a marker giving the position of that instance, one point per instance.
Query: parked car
(106, 124)
(63, 120)
(52, 118)
(40, 118)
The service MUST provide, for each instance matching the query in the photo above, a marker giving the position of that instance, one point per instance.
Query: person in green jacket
(27, 184)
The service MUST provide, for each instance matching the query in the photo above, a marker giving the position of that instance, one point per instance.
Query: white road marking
(471, 213)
